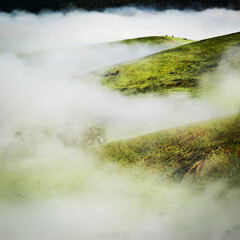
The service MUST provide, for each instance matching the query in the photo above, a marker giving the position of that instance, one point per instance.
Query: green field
(203, 150)
(200, 151)
(177, 69)
(156, 40)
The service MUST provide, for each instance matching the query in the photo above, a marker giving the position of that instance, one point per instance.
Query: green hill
(156, 40)
(208, 149)
(177, 69)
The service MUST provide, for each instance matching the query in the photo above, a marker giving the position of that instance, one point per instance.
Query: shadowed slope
(204, 149)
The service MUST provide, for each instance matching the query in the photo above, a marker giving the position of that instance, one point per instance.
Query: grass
(177, 69)
(208, 149)
(156, 40)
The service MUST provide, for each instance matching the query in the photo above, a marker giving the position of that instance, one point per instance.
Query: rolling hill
(156, 40)
(177, 69)
(202, 150)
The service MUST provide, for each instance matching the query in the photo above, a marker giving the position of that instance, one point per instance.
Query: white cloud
(27, 32)
(68, 194)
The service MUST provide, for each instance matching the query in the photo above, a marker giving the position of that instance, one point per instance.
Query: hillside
(176, 69)
(156, 40)
(208, 149)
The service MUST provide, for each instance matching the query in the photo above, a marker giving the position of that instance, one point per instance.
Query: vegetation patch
(156, 40)
(177, 69)
(209, 149)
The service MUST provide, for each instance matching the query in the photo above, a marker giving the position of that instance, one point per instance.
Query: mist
(24, 32)
(50, 85)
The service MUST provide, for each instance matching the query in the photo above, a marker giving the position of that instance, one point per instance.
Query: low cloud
(48, 82)
(224, 84)
(27, 32)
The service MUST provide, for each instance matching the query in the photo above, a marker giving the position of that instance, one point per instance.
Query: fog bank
(27, 32)
(50, 86)
(49, 70)
(56, 192)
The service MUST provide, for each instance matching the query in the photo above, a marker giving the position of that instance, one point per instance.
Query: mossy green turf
(176, 69)
(183, 150)
(156, 40)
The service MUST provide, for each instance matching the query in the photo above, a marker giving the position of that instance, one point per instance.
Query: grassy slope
(175, 69)
(156, 40)
(203, 149)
